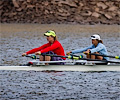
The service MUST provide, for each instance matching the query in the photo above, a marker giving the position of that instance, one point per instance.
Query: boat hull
(64, 68)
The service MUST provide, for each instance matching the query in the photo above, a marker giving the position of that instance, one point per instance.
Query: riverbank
(9, 30)
(82, 12)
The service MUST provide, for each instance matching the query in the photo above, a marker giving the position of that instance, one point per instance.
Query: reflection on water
(19, 38)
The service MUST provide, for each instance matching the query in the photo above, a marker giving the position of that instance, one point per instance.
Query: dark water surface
(16, 39)
(37, 85)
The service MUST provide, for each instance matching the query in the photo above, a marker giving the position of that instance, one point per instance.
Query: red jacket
(56, 47)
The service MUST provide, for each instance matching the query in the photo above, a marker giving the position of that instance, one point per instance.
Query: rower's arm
(51, 48)
(81, 50)
(37, 49)
(97, 49)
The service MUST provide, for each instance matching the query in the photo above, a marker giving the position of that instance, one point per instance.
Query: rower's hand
(38, 53)
(68, 53)
(24, 54)
(87, 52)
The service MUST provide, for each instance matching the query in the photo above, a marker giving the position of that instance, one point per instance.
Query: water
(37, 85)
(50, 85)
(19, 38)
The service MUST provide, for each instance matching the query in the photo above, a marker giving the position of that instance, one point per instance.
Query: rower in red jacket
(53, 47)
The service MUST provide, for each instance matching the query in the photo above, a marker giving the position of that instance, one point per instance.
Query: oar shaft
(106, 61)
(78, 58)
(88, 58)
(117, 57)
(54, 55)
(33, 57)
(73, 57)
(69, 57)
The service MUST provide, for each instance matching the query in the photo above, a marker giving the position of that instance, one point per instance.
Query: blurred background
(60, 11)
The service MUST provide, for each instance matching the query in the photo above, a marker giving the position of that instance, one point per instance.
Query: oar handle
(33, 56)
(69, 57)
(54, 55)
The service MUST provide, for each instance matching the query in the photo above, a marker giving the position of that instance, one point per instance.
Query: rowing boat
(70, 62)
(75, 63)
(69, 66)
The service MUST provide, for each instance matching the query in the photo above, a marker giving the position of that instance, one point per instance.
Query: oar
(107, 61)
(117, 57)
(69, 57)
(73, 57)
(33, 56)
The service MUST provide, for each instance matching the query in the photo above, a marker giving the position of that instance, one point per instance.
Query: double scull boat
(74, 63)
(71, 65)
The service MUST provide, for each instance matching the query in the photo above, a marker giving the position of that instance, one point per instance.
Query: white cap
(95, 36)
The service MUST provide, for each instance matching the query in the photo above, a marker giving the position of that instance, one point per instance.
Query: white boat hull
(64, 68)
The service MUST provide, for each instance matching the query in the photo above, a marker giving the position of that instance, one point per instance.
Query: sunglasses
(93, 36)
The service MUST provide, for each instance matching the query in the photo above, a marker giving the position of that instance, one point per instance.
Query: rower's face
(94, 41)
(50, 38)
